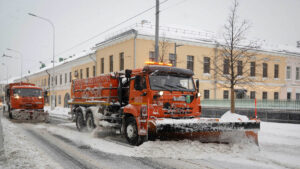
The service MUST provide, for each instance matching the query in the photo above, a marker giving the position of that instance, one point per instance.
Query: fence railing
(292, 105)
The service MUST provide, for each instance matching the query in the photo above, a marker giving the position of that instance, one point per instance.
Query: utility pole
(175, 52)
(156, 31)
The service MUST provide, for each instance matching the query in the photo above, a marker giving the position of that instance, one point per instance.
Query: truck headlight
(161, 93)
(199, 94)
(40, 97)
(16, 96)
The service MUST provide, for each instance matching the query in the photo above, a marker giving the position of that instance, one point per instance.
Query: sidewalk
(2, 154)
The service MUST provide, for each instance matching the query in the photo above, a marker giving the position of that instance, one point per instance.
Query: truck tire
(80, 121)
(90, 125)
(131, 132)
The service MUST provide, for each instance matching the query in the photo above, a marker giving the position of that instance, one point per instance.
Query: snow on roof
(195, 35)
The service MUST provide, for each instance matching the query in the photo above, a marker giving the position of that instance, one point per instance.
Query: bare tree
(164, 45)
(163, 49)
(232, 60)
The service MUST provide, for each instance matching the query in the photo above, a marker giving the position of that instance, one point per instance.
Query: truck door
(139, 91)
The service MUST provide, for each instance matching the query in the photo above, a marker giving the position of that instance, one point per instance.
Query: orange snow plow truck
(156, 101)
(25, 101)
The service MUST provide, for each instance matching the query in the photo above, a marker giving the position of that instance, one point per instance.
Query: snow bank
(233, 117)
(20, 150)
(58, 112)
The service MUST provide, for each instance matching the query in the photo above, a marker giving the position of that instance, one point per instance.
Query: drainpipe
(134, 50)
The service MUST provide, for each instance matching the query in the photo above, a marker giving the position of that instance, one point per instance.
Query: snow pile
(233, 117)
(21, 152)
(58, 112)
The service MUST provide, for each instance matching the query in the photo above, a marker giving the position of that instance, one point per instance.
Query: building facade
(276, 78)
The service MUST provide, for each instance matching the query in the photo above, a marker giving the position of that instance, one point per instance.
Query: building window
(49, 80)
(122, 61)
(226, 67)
(80, 73)
(206, 94)
(297, 96)
(55, 80)
(94, 71)
(252, 95)
(102, 65)
(60, 79)
(276, 95)
(276, 71)
(288, 72)
(206, 66)
(225, 94)
(151, 56)
(70, 77)
(76, 74)
(288, 96)
(265, 96)
(172, 59)
(87, 72)
(111, 63)
(297, 73)
(190, 62)
(252, 69)
(240, 68)
(66, 78)
(265, 70)
(59, 99)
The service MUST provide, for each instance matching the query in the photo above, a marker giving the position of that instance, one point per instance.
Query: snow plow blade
(30, 115)
(206, 130)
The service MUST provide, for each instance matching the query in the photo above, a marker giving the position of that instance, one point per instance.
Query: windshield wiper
(162, 87)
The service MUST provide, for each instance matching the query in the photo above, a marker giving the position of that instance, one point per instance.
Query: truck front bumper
(29, 114)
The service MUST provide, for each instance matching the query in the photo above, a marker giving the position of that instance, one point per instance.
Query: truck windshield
(171, 83)
(28, 92)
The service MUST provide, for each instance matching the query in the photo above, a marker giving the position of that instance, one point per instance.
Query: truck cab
(24, 101)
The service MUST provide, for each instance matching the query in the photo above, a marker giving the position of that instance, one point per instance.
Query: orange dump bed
(102, 88)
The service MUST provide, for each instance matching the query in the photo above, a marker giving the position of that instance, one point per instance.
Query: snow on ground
(58, 112)
(233, 117)
(21, 152)
(279, 147)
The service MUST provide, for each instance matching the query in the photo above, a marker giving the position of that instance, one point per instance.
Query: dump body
(153, 101)
(25, 101)
(102, 89)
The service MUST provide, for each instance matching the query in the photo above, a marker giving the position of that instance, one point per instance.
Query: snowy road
(59, 145)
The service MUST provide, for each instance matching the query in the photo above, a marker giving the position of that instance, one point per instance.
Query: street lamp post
(53, 71)
(21, 58)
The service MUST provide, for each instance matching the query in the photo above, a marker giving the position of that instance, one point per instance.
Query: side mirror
(197, 85)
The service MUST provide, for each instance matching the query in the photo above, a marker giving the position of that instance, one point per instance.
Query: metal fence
(293, 105)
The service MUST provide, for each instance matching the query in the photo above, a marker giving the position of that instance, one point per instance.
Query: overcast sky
(276, 21)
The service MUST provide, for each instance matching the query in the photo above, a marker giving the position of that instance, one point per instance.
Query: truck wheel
(90, 125)
(79, 121)
(131, 132)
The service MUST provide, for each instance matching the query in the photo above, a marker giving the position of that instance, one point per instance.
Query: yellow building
(132, 48)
